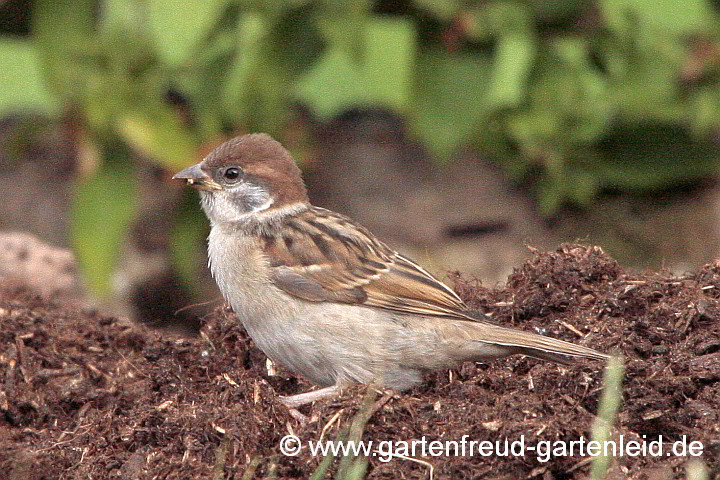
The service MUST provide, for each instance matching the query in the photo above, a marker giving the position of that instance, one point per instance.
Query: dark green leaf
(444, 9)
(450, 99)
(62, 31)
(653, 156)
(187, 241)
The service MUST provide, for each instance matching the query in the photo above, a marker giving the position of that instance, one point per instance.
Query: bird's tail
(492, 338)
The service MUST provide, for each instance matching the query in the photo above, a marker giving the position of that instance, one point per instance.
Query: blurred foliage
(102, 211)
(576, 96)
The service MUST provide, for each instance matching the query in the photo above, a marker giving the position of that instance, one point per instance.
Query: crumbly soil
(85, 395)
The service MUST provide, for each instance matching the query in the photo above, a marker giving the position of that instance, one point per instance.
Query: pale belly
(326, 342)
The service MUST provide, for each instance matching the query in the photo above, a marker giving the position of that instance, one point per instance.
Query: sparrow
(319, 294)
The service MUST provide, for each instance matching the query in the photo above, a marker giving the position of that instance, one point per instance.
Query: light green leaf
(178, 26)
(23, 86)
(610, 401)
(246, 64)
(665, 17)
(450, 98)
(160, 135)
(334, 84)
(705, 111)
(649, 92)
(534, 127)
(342, 27)
(380, 75)
(507, 17)
(514, 56)
(102, 209)
(120, 15)
(389, 61)
(672, 17)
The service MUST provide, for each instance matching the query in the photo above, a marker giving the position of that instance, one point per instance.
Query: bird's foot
(294, 401)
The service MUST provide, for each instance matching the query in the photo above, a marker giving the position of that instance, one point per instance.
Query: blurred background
(461, 132)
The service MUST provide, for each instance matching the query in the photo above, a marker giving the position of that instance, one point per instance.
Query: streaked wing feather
(301, 286)
(324, 256)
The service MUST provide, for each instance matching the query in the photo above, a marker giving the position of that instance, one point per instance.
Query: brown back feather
(324, 256)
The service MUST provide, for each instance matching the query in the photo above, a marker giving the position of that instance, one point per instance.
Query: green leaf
(535, 127)
(513, 61)
(450, 99)
(102, 209)
(653, 156)
(342, 26)
(610, 401)
(444, 9)
(334, 84)
(389, 61)
(178, 26)
(23, 86)
(62, 31)
(120, 15)
(553, 13)
(251, 51)
(573, 185)
(550, 196)
(568, 104)
(210, 67)
(58, 25)
(159, 134)
(381, 75)
(666, 17)
(649, 92)
(705, 111)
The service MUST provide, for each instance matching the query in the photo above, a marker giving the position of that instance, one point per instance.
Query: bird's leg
(294, 401)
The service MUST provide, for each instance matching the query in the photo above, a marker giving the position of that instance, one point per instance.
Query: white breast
(328, 343)
(241, 273)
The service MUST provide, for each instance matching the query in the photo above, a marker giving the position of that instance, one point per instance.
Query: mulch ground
(85, 395)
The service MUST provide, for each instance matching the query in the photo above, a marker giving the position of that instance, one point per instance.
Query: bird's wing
(321, 256)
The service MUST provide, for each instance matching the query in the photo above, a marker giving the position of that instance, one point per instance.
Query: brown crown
(266, 161)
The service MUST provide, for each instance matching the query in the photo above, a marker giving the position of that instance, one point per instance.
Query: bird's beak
(198, 178)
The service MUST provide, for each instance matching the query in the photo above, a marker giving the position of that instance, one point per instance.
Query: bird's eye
(231, 173)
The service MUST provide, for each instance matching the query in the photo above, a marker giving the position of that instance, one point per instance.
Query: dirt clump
(84, 395)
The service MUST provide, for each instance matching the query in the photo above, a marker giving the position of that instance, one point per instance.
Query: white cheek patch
(250, 198)
(260, 208)
(236, 204)
(253, 198)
